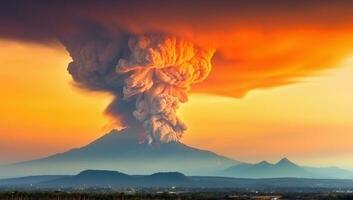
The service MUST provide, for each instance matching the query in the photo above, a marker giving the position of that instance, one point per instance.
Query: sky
(280, 85)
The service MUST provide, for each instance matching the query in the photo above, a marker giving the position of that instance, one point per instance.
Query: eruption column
(150, 78)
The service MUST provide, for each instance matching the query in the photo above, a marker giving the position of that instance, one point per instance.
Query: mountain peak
(263, 163)
(93, 172)
(169, 175)
(121, 150)
(283, 168)
(285, 161)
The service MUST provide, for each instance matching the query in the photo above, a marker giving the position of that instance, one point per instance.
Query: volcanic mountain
(121, 151)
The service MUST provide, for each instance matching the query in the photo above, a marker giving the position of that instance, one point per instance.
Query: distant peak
(168, 174)
(264, 162)
(285, 161)
(89, 172)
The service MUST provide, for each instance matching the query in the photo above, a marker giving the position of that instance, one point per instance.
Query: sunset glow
(251, 82)
(41, 105)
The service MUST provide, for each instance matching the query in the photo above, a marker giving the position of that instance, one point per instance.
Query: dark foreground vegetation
(169, 196)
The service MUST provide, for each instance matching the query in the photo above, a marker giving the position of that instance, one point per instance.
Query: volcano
(121, 151)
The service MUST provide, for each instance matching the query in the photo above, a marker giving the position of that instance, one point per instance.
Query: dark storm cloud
(45, 20)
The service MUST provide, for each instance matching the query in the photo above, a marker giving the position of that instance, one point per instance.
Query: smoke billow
(260, 44)
(149, 75)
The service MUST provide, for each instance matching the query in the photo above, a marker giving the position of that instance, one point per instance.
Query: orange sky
(42, 113)
(280, 84)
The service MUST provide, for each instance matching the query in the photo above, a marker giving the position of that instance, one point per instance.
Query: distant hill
(283, 168)
(166, 179)
(120, 150)
(113, 179)
(104, 178)
(28, 180)
(91, 178)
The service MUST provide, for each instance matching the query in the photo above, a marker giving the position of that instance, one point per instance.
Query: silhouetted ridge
(286, 162)
(89, 178)
(264, 163)
(283, 168)
(165, 178)
(168, 176)
(113, 179)
(176, 175)
(102, 174)
(122, 151)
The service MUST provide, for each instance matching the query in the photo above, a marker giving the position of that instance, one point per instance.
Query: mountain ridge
(284, 168)
(89, 179)
(120, 150)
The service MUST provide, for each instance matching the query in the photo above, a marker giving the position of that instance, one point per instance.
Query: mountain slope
(166, 179)
(23, 181)
(329, 172)
(90, 178)
(120, 150)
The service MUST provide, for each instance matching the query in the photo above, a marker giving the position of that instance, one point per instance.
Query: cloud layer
(258, 44)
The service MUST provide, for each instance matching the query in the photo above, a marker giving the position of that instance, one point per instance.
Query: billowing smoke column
(148, 74)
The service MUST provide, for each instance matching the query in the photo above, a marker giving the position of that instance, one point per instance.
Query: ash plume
(260, 45)
(149, 75)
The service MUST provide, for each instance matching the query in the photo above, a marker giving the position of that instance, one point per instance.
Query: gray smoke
(149, 75)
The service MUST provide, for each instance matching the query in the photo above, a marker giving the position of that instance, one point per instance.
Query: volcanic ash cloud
(149, 78)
